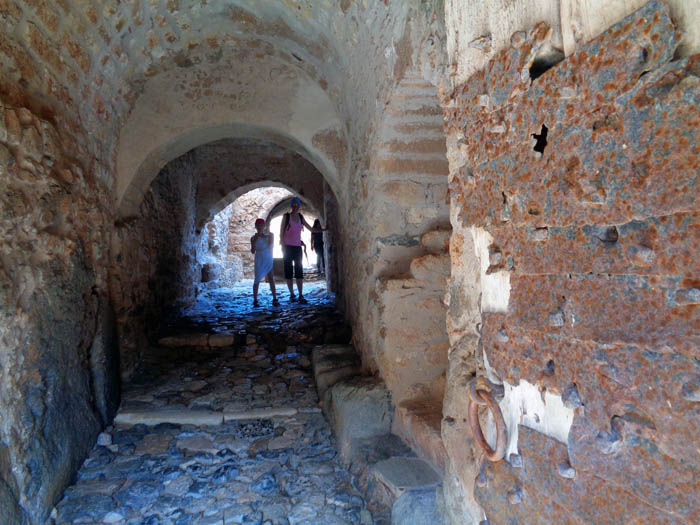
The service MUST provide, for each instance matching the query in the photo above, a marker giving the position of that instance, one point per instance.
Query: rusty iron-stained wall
(598, 234)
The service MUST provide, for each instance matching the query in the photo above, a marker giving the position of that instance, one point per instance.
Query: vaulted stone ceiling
(165, 76)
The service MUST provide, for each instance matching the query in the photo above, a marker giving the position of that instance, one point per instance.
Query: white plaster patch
(495, 287)
(523, 405)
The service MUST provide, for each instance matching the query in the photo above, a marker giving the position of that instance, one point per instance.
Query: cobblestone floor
(272, 470)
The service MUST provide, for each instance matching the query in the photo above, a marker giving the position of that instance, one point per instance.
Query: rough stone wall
(155, 270)
(212, 253)
(57, 353)
(244, 211)
(575, 281)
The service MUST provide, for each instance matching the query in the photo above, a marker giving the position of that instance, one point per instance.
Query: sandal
(275, 302)
(256, 304)
(292, 298)
(302, 300)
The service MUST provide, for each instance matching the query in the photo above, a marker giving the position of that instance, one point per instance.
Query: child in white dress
(261, 245)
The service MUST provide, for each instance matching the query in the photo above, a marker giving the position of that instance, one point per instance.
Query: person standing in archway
(317, 246)
(290, 238)
(261, 245)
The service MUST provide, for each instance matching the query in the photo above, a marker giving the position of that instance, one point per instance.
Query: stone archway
(278, 104)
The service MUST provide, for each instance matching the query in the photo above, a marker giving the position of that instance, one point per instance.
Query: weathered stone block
(261, 413)
(436, 241)
(432, 268)
(405, 474)
(328, 378)
(179, 417)
(636, 383)
(359, 407)
(653, 246)
(417, 507)
(403, 193)
(533, 492)
(598, 308)
(221, 340)
(185, 340)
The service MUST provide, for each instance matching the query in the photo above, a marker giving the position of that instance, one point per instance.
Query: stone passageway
(224, 428)
(509, 197)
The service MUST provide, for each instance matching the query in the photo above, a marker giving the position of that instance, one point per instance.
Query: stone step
(260, 413)
(401, 474)
(437, 241)
(332, 364)
(358, 407)
(418, 423)
(418, 507)
(431, 267)
(177, 417)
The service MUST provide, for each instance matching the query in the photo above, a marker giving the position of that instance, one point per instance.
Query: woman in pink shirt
(290, 239)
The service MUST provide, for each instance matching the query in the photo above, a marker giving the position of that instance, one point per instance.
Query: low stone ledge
(184, 340)
(178, 417)
(217, 340)
(261, 413)
(221, 340)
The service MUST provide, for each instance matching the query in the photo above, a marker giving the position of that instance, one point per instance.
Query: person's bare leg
(255, 293)
(290, 286)
(271, 282)
(300, 287)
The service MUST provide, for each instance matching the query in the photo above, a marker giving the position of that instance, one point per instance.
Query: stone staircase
(398, 486)
(414, 346)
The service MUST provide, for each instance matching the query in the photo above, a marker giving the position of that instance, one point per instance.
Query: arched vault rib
(182, 109)
(227, 168)
(283, 204)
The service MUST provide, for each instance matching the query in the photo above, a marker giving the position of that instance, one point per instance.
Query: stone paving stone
(271, 460)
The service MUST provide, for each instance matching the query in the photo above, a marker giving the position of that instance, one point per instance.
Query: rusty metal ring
(478, 384)
(488, 399)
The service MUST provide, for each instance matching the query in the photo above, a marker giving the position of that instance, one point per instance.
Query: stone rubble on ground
(277, 466)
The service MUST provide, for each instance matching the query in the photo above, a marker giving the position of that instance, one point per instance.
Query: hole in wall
(609, 235)
(549, 368)
(541, 139)
(544, 63)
